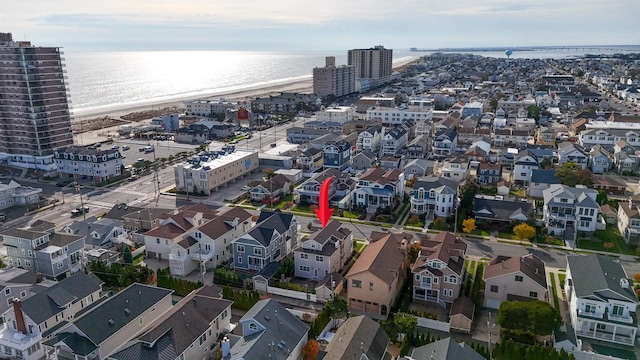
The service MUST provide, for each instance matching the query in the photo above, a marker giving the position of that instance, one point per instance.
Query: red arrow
(324, 212)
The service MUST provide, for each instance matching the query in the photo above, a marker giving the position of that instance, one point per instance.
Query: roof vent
(624, 283)
(266, 317)
(111, 322)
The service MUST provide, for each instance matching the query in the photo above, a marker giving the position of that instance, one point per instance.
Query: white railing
(621, 318)
(605, 336)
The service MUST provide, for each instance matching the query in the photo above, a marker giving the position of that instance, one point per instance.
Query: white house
(602, 304)
(393, 140)
(378, 187)
(370, 138)
(436, 194)
(568, 152)
(568, 210)
(324, 252)
(338, 114)
(525, 162)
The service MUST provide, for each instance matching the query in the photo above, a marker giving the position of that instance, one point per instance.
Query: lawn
(359, 247)
(556, 302)
(350, 215)
(413, 222)
(561, 278)
(481, 232)
(613, 240)
(508, 235)
(520, 193)
(554, 241)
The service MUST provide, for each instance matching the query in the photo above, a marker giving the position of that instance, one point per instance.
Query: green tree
(439, 224)
(127, 256)
(568, 174)
(546, 163)
(602, 197)
(336, 307)
(536, 317)
(533, 112)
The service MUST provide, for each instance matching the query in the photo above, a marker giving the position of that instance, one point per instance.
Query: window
(257, 251)
(519, 278)
(418, 277)
(7, 291)
(600, 326)
(304, 256)
(203, 338)
(304, 268)
(24, 293)
(319, 258)
(239, 259)
(9, 301)
(447, 292)
(533, 294)
(617, 310)
(370, 286)
(435, 280)
(240, 248)
(590, 308)
(450, 279)
(494, 288)
(356, 283)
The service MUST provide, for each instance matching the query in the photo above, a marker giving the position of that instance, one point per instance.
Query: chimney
(17, 310)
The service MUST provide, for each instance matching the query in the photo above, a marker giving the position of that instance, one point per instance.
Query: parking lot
(135, 151)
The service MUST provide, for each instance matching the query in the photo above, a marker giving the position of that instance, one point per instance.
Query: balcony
(202, 255)
(16, 340)
(620, 339)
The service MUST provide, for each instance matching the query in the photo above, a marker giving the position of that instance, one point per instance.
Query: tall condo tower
(334, 80)
(373, 66)
(35, 119)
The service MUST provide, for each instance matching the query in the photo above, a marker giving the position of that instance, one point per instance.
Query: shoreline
(303, 84)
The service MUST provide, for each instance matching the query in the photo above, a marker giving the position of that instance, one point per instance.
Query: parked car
(125, 148)
(245, 188)
(115, 147)
(79, 211)
(142, 149)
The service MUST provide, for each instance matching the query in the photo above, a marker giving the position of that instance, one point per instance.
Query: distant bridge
(630, 48)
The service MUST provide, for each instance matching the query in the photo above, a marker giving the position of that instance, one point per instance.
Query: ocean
(104, 80)
(118, 79)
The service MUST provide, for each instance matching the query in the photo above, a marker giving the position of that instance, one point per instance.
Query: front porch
(424, 292)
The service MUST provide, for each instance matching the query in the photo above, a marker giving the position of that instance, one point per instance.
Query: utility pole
(79, 190)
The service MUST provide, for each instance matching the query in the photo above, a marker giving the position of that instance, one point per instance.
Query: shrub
(182, 287)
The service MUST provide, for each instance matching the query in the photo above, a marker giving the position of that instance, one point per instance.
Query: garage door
(492, 304)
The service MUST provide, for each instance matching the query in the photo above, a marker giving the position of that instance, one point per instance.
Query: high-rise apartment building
(373, 66)
(34, 108)
(334, 80)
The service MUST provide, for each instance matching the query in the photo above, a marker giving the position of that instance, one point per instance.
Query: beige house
(107, 327)
(206, 315)
(376, 278)
(629, 221)
(438, 270)
(514, 279)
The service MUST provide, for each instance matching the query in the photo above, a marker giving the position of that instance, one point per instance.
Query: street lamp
(79, 190)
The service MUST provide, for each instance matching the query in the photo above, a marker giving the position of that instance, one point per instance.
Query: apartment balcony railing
(620, 339)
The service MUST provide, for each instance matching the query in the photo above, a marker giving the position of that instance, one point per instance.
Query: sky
(277, 25)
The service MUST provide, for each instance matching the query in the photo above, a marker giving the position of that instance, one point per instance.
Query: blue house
(337, 155)
(274, 237)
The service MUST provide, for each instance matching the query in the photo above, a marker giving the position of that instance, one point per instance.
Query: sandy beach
(304, 85)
